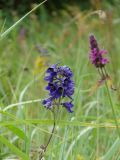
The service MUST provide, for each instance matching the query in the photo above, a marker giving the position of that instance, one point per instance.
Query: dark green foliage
(23, 6)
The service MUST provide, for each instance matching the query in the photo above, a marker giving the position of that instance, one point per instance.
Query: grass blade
(16, 23)
(13, 148)
(17, 131)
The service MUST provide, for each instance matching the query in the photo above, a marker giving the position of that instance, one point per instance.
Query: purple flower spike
(60, 86)
(96, 55)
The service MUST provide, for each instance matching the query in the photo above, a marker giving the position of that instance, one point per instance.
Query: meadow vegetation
(89, 133)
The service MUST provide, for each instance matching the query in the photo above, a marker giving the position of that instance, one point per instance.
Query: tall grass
(89, 132)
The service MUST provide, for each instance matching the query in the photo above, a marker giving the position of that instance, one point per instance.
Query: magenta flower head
(60, 87)
(96, 55)
(97, 58)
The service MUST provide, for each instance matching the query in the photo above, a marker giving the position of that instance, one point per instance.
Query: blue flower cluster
(60, 85)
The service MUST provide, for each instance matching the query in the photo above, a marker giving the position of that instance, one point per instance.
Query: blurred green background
(58, 31)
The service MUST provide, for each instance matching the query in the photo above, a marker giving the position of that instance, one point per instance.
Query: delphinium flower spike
(60, 86)
(96, 58)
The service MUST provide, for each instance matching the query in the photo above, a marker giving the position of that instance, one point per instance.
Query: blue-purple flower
(60, 86)
(68, 106)
(96, 55)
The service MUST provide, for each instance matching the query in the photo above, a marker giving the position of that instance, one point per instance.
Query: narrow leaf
(13, 148)
(17, 131)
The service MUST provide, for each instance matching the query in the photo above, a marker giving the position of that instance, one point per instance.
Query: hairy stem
(111, 103)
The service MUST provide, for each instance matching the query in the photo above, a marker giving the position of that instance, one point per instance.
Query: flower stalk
(97, 59)
(44, 148)
(60, 87)
(111, 104)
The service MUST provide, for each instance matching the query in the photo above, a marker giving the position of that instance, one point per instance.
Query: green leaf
(17, 131)
(13, 148)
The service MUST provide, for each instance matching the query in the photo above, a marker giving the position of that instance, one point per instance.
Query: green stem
(98, 130)
(112, 107)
